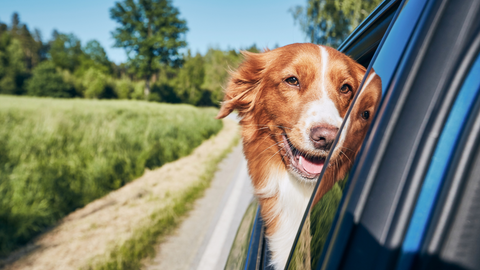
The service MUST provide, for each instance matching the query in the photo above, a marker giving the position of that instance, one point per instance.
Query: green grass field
(57, 155)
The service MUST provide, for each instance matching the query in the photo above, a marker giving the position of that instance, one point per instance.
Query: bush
(47, 82)
(138, 88)
(165, 92)
(58, 155)
(97, 85)
(124, 88)
(154, 97)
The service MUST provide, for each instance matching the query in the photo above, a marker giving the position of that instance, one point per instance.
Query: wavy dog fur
(291, 101)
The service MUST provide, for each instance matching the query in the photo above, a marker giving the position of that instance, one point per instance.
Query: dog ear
(243, 86)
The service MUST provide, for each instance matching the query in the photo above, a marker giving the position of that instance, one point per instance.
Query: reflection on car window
(329, 193)
(317, 224)
(394, 46)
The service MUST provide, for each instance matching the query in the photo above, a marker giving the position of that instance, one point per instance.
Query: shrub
(165, 92)
(97, 85)
(138, 88)
(47, 82)
(124, 88)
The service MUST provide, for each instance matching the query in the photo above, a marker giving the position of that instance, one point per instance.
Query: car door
(249, 250)
(423, 62)
(418, 48)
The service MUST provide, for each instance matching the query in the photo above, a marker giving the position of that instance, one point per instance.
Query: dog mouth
(306, 165)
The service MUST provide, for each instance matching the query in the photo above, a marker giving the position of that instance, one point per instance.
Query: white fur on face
(321, 111)
(324, 57)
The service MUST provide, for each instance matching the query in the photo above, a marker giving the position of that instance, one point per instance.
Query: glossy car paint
(423, 66)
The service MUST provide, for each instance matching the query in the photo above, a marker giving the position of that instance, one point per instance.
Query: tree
(190, 78)
(94, 51)
(47, 82)
(94, 56)
(329, 22)
(217, 65)
(15, 22)
(151, 33)
(12, 65)
(31, 47)
(65, 51)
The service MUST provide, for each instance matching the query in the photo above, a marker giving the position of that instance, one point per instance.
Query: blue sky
(212, 23)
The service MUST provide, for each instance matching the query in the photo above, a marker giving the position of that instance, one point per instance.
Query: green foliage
(151, 33)
(65, 51)
(32, 45)
(129, 255)
(190, 79)
(47, 82)
(58, 155)
(12, 66)
(201, 79)
(329, 22)
(97, 85)
(322, 216)
(94, 56)
(95, 52)
(125, 88)
(217, 65)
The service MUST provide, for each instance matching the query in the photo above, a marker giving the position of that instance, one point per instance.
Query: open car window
(421, 51)
(379, 45)
(422, 61)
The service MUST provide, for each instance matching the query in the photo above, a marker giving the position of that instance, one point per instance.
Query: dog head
(292, 100)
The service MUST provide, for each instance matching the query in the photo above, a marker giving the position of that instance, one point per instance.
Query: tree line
(329, 22)
(159, 68)
(63, 67)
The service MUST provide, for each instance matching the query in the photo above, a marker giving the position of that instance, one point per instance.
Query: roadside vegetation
(122, 229)
(57, 155)
(141, 245)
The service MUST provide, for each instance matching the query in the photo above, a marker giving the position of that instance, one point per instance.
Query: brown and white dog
(292, 101)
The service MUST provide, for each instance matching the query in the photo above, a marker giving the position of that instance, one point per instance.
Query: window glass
(307, 251)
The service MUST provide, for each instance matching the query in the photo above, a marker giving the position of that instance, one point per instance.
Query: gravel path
(204, 239)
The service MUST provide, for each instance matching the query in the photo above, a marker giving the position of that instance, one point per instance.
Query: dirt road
(204, 239)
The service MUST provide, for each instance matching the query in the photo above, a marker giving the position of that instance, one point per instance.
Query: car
(412, 197)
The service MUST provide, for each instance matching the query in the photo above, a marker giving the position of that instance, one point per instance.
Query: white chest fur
(293, 196)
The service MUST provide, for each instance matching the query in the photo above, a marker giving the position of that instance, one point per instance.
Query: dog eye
(345, 88)
(292, 81)
(365, 115)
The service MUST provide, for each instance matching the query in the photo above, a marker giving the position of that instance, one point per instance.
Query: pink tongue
(312, 167)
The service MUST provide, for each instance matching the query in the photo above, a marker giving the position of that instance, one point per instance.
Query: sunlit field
(57, 155)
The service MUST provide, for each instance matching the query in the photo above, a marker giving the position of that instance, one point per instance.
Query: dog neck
(283, 198)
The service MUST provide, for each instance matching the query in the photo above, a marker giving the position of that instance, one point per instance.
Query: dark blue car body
(412, 198)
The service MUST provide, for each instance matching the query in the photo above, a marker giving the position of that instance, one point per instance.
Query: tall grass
(129, 255)
(57, 155)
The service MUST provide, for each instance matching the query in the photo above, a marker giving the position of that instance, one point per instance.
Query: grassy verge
(131, 252)
(58, 155)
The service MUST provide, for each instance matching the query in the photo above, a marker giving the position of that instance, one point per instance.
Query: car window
(308, 249)
(240, 250)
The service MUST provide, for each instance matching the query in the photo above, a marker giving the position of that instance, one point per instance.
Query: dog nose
(323, 136)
